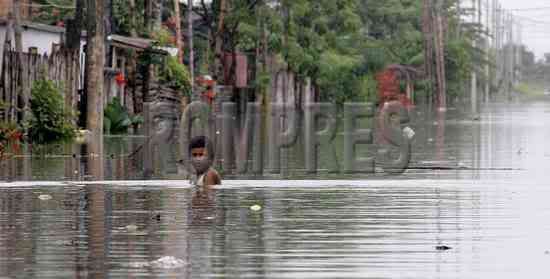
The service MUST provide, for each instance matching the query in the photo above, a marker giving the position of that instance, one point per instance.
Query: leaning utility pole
(473, 89)
(487, 56)
(95, 60)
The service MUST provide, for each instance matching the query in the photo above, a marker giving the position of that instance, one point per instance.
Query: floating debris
(442, 248)
(131, 228)
(256, 207)
(45, 197)
(409, 133)
(139, 264)
(168, 262)
(462, 165)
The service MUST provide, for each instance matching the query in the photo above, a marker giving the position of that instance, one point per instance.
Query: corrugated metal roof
(37, 26)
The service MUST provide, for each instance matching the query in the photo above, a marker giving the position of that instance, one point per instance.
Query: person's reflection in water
(203, 206)
(206, 217)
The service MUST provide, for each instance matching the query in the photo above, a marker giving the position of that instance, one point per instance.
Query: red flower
(120, 80)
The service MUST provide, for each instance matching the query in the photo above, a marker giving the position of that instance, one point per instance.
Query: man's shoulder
(214, 176)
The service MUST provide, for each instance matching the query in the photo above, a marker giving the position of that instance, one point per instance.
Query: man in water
(202, 156)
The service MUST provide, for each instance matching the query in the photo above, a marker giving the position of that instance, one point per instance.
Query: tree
(22, 91)
(95, 60)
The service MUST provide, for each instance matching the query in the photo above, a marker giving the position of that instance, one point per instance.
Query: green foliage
(10, 137)
(458, 65)
(117, 120)
(53, 11)
(263, 79)
(49, 121)
(336, 76)
(527, 90)
(163, 37)
(121, 18)
(341, 44)
(176, 75)
(366, 88)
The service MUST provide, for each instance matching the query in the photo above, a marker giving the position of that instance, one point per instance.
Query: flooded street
(474, 204)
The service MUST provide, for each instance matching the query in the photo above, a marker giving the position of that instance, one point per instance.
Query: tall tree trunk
(148, 14)
(95, 60)
(190, 43)
(74, 27)
(9, 110)
(132, 61)
(22, 91)
(153, 8)
(132, 17)
(177, 18)
(157, 14)
(440, 57)
(218, 37)
(153, 15)
(72, 54)
(428, 30)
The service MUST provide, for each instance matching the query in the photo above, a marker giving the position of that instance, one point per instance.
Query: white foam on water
(168, 262)
(121, 183)
(282, 184)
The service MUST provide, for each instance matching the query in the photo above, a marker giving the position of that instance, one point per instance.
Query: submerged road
(473, 205)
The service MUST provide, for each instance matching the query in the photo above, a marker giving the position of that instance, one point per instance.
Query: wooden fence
(62, 67)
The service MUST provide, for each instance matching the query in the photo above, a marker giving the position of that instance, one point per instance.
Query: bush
(49, 121)
(176, 75)
(117, 119)
(10, 137)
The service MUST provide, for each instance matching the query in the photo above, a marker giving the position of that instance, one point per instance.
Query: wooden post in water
(95, 60)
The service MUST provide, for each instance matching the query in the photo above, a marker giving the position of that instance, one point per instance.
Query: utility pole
(190, 43)
(509, 56)
(519, 60)
(473, 90)
(496, 34)
(440, 57)
(487, 56)
(95, 58)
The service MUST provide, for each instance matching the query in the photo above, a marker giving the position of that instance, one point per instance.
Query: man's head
(202, 154)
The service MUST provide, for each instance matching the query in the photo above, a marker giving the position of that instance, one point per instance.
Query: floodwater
(474, 204)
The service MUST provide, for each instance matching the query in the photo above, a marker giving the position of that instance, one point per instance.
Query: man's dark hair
(202, 142)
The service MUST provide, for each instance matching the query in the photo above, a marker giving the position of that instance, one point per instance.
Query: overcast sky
(536, 35)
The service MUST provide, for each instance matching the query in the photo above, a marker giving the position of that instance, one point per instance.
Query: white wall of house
(40, 39)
